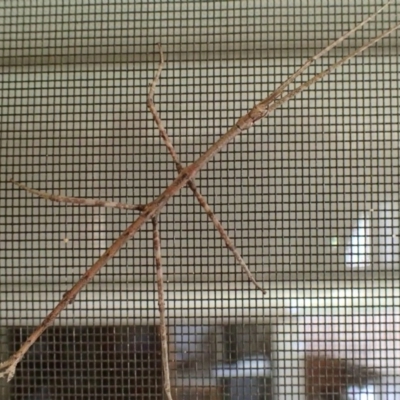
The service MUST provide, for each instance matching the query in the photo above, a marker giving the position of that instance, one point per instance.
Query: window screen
(309, 195)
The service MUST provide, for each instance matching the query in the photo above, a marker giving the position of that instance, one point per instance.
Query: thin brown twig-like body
(161, 307)
(262, 109)
(150, 210)
(79, 201)
(191, 184)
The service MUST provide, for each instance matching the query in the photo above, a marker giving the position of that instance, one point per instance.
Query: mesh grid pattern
(310, 196)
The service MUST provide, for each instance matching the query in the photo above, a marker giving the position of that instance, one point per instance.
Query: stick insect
(185, 177)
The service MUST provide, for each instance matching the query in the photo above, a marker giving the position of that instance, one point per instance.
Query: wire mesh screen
(309, 196)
